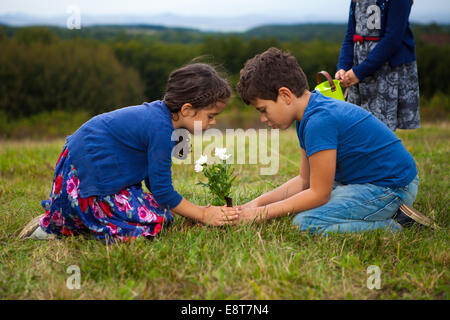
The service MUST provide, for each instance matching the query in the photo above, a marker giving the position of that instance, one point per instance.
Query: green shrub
(154, 61)
(44, 125)
(436, 108)
(433, 62)
(69, 76)
(31, 35)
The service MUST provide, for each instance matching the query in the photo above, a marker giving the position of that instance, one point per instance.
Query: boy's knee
(306, 222)
(298, 221)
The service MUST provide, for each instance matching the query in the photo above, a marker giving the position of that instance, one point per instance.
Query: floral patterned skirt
(128, 214)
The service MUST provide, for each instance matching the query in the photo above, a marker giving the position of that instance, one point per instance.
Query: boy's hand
(247, 215)
(219, 216)
(340, 74)
(248, 205)
(350, 79)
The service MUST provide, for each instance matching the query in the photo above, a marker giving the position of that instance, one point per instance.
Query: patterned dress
(128, 214)
(391, 94)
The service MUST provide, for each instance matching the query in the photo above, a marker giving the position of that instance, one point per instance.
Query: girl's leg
(378, 92)
(353, 95)
(40, 234)
(379, 95)
(408, 97)
(34, 231)
(355, 208)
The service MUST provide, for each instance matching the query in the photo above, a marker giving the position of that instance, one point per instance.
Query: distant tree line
(40, 70)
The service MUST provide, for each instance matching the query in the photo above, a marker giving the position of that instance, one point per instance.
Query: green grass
(266, 261)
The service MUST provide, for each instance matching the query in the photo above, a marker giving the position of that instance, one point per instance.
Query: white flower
(200, 162)
(203, 159)
(220, 152)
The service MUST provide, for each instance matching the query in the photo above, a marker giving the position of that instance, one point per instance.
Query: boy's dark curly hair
(198, 84)
(267, 72)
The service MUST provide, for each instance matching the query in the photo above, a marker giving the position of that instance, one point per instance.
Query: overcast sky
(325, 9)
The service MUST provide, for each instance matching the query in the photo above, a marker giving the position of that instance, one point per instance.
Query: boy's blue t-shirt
(367, 151)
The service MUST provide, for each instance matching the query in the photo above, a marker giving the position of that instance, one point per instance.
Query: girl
(378, 62)
(97, 182)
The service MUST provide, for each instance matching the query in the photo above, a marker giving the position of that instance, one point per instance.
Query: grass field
(266, 261)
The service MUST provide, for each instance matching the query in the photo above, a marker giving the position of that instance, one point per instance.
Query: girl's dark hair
(198, 84)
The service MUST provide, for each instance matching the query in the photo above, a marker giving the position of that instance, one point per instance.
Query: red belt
(361, 39)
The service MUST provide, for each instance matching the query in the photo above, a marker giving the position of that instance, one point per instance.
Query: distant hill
(204, 23)
(432, 33)
(305, 32)
(117, 32)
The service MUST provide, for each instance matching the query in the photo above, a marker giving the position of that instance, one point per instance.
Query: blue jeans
(358, 207)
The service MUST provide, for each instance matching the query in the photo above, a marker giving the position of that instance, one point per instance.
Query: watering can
(330, 88)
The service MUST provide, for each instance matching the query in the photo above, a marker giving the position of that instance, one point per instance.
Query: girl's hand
(219, 216)
(340, 74)
(350, 79)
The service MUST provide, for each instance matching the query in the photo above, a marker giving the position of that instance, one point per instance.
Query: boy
(355, 173)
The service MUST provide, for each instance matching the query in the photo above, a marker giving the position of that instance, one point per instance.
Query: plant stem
(229, 201)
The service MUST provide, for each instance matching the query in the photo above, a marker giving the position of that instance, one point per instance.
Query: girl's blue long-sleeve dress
(387, 69)
(97, 185)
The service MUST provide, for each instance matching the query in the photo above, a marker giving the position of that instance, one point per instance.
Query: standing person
(97, 184)
(378, 63)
